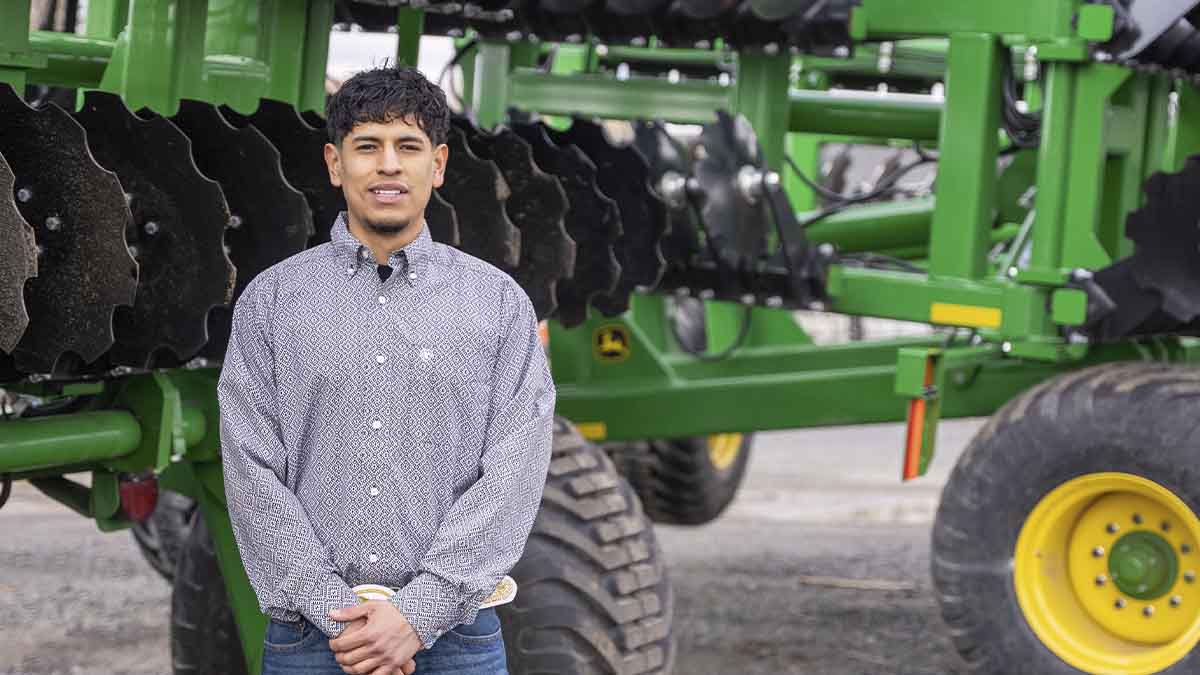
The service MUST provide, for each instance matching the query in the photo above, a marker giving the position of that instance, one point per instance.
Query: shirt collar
(411, 260)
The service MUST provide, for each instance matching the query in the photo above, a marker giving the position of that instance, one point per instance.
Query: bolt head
(1013, 272)
(1176, 600)
(53, 223)
(1101, 580)
(151, 228)
(1137, 519)
(1113, 528)
(1006, 347)
(24, 194)
(1120, 603)
(1185, 549)
(1148, 611)
(1098, 552)
(1189, 577)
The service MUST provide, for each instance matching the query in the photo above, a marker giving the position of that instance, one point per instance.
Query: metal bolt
(1103, 57)
(772, 181)
(774, 301)
(1148, 611)
(771, 49)
(1006, 347)
(1166, 527)
(707, 294)
(748, 299)
(638, 41)
(1013, 272)
(1120, 603)
(1185, 549)
(53, 223)
(1098, 552)
(702, 44)
(151, 228)
(1137, 519)
(133, 251)
(816, 306)
(1101, 580)
(41, 250)
(601, 50)
(1189, 577)
(1113, 528)
(514, 35)
(235, 221)
(24, 194)
(841, 51)
(826, 250)
(1176, 600)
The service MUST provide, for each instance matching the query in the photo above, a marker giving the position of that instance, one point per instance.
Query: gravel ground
(820, 567)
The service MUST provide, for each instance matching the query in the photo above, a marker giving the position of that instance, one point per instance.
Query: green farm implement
(667, 181)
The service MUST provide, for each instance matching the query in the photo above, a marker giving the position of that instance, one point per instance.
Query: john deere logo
(610, 343)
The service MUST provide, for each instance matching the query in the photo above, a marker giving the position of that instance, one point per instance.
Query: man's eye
(365, 148)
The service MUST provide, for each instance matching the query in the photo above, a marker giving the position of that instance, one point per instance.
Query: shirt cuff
(433, 605)
(329, 593)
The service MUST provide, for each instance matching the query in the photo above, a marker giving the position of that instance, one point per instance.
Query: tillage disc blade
(442, 220)
(683, 247)
(301, 152)
(179, 220)
(269, 219)
(624, 176)
(536, 205)
(80, 217)
(477, 191)
(592, 220)
(18, 262)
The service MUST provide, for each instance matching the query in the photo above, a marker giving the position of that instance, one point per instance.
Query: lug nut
(1166, 527)
(24, 194)
(1120, 603)
(53, 223)
(1189, 577)
(1098, 552)
(1185, 549)
(1137, 519)
(1101, 580)
(1113, 528)
(151, 228)
(1176, 600)
(1148, 611)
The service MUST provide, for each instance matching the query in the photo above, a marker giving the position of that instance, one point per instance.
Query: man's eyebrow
(355, 138)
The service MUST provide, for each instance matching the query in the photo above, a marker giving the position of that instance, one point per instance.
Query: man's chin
(388, 226)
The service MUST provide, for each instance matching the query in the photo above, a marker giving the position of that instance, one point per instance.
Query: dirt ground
(821, 567)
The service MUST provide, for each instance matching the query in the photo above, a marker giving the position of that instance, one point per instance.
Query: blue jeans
(468, 649)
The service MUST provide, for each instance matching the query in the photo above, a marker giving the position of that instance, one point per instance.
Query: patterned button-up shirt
(393, 432)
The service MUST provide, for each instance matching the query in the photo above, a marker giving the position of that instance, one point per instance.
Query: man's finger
(354, 656)
(364, 668)
(409, 668)
(349, 613)
(355, 639)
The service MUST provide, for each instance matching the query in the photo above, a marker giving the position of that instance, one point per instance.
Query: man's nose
(389, 162)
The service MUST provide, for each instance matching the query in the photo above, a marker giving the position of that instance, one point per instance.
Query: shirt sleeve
(484, 533)
(290, 570)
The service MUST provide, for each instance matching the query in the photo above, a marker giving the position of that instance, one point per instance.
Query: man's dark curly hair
(384, 94)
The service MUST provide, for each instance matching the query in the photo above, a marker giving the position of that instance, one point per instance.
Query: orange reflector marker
(915, 436)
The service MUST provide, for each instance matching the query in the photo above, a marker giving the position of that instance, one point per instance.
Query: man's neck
(382, 244)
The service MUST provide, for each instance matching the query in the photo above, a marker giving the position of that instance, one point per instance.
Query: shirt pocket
(449, 383)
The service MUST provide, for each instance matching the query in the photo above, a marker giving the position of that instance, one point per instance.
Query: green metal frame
(1105, 130)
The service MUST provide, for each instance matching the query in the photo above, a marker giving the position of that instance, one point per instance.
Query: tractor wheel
(593, 596)
(1067, 539)
(685, 481)
(204, 637)
(163, 534)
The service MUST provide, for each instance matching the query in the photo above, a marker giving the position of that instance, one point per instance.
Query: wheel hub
(1143, 565)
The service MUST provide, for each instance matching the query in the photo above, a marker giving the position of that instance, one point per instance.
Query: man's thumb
(349, 613)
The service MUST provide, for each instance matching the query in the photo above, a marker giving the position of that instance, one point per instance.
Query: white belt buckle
(506, 592)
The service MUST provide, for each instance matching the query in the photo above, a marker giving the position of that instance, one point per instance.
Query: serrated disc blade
(476, 190)
(442, 220)
(682, 245)
(179, 220)
(536, 205)
(624, 176)
(18, 263)
(592, 220)
(1166, 255)
(269, 219)
(301, 152)
(80, 217)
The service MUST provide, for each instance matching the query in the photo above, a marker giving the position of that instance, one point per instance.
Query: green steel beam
(15, 55)
(603, 96)
(875, 227)
(490, 95)
(410, 23)
(761, 94)
(1031, 19)
(967, 166)
(316, 55)
(864, 114)
(71, 60)
(57, 440)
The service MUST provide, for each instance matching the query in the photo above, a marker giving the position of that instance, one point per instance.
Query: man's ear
(440, 155)
(333, 162)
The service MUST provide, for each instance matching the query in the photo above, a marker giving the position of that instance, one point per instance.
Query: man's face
(387, 172)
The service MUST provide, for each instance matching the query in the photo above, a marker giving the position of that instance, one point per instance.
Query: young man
(386, 414)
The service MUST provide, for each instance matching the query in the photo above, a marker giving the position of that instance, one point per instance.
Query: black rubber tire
(1133, 418)
(593, 595)
(204, 636)
(677, 480)
(163, 534)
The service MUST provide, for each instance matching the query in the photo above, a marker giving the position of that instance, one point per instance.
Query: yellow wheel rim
(723, 449)
(1106, 574)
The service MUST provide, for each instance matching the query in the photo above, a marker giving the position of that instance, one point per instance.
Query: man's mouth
(389, 194)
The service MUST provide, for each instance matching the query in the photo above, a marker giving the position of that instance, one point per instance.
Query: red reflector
(138, 497)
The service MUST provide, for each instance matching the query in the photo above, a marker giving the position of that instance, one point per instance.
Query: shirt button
(373, 558)
(412, 275)
(383, 299)
(364, 253)
(381, 358)
(376, 424)
(349, 271)
(374, 491)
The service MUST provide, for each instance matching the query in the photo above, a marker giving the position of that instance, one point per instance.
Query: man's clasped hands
(378, 640)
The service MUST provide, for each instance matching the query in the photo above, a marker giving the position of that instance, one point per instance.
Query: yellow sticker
(610, 343)
(593, 431)
(965, 315)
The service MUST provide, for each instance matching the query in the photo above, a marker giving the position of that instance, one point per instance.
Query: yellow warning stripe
(965, 315)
